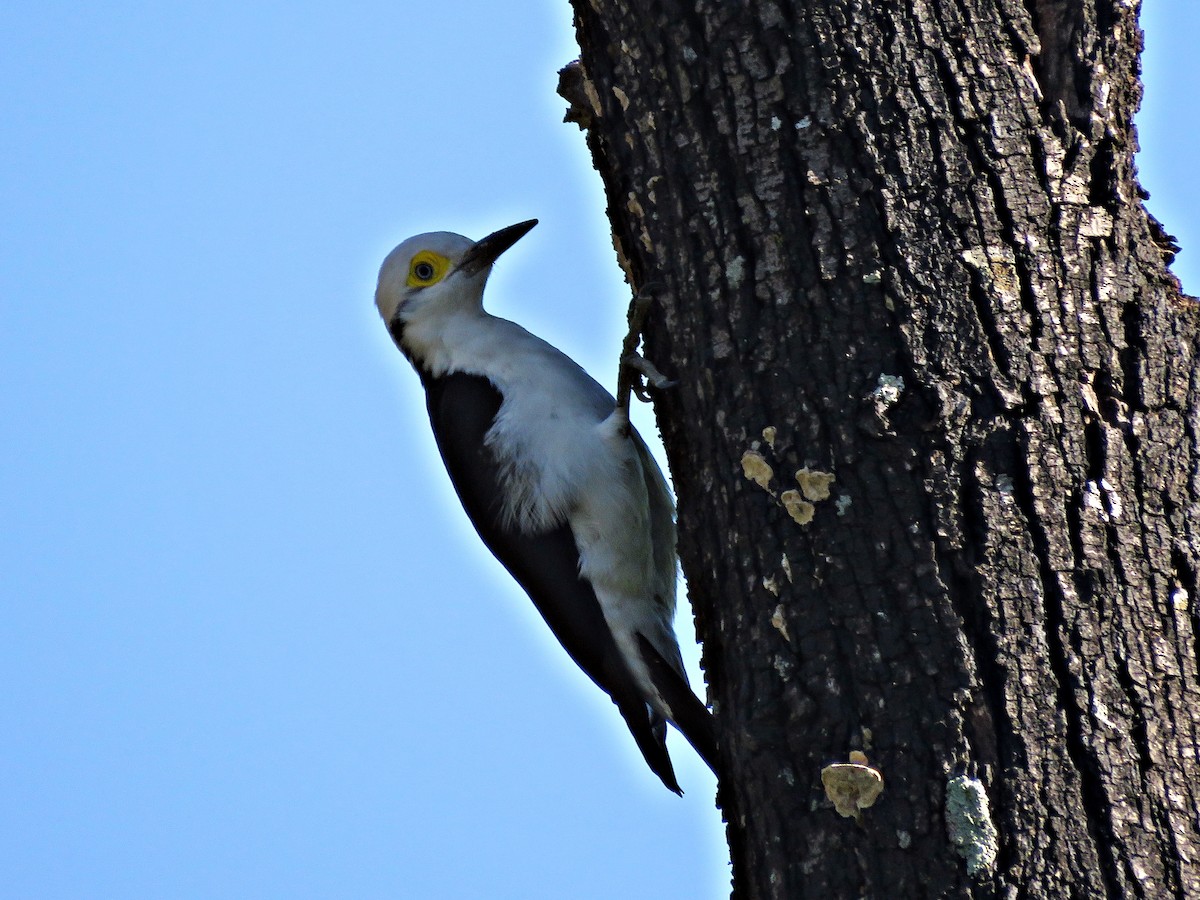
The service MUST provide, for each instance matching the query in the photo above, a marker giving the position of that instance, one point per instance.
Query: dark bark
(1001, 590)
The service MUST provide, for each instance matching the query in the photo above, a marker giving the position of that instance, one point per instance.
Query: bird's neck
(433, 339)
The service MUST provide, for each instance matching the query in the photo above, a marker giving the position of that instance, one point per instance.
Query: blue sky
(251, 648)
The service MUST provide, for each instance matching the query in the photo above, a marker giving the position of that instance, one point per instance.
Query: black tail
(650, 733)
(688, 714)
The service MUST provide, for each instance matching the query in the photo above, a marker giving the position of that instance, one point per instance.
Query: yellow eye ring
(427, 268)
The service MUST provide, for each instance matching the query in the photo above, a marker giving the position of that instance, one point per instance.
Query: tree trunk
(903, 244)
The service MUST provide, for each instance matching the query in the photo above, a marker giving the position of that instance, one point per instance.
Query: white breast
(564, 458)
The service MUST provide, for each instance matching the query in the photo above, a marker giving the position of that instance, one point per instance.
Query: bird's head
(440, 271)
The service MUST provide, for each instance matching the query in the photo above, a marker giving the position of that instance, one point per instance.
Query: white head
(440, 270)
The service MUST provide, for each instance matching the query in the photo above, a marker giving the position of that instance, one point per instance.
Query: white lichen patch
(771, 583)
(888, 390)
(969, 823)
(757, 469)
(735, 272)
(842, 504)
(782, 666)
(814, 485)
(797, 507)
(722, 345)
(852, 786)
(622, 97)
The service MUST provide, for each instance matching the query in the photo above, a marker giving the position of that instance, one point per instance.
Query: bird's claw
(637, 373)
(648, 376)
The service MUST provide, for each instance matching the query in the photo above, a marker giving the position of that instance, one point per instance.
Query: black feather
(690, 716)
(462, 408)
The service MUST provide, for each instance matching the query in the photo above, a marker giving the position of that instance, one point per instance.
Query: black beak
(487, 251)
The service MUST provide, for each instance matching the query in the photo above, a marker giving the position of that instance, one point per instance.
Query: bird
(559, 486)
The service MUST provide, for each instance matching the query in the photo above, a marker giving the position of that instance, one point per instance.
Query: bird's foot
(637, 373)
(646, 376)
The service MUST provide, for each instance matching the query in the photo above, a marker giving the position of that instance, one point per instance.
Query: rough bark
(998, 599)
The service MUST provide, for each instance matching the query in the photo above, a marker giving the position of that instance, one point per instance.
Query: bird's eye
(427, 268)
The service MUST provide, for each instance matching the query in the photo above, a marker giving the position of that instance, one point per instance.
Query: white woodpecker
(559, 486)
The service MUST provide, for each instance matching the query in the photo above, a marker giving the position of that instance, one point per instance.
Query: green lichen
(969, 823)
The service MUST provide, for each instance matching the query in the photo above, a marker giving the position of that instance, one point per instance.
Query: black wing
(462, 409)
